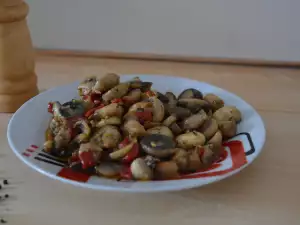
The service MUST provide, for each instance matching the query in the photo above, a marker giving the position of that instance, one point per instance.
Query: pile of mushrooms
(125, 130)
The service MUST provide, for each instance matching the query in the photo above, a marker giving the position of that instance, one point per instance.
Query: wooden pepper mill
(18, 81)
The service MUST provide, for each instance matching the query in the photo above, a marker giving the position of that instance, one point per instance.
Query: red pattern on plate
(26, 154)
(68, 173)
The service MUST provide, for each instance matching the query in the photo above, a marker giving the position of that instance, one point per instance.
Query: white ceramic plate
(27, 127)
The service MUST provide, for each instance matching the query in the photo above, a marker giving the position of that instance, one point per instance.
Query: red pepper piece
(126, 173)
(117, 100)
(132, 155)
(91, 111)
(96, 98)
(125, 142)
(150, 93)
(144, 116)
(50, 107)
(88, 158)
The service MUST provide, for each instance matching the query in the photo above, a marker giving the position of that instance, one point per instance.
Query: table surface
(267, 192)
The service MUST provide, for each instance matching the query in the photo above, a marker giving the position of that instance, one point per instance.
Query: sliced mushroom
(158, 109)
(140, 105)
(166, 170)
(194, 104)
(163, 130)
(85, 131)
(169, 120)
(107, 137)
(108, 169)
(85, 87)
(157, 145)
(62, 138)
(182, 159)
(150, 124)
(194, 161)
(140, 170)
(195, 121)
(109, 121)
(132, 97)
(151, 161)
(179, 112)
(116, 92)
(207, 155)
(106, 82)
(190, 140)
(227, 113)
(172, 98)
(217, 139)
(215, 101)
(111, 110)
(176, 130)
(72, 108)
(134, 129)
(190, 93)
(90, 146)
(209, 128)
(164, 99)
(228, 128)
(144, 86)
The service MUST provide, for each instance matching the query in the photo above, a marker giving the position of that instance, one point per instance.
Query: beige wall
(260, 29)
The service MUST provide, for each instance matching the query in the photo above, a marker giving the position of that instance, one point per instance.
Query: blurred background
(242, 29)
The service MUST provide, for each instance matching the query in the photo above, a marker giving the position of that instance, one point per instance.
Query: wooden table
(267, 192)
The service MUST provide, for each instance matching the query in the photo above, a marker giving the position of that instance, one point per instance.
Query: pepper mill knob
(18, 81)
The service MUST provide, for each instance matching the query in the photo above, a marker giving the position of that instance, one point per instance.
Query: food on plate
(127, 130)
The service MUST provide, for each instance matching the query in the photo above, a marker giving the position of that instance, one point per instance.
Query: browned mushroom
(175, 128)
(207, 155)
(109, 121)
(228, 128)
(140, 170)
(216, 140)
(190, 93)
(195, 121)
(179, 112)
(215, 101)
(163, 130)
(194, 104)
(107, 137)
(209, 128)
(106, 82)
(85, 87)
(227, 113)
(113, 109)
(172, 98)
(108, 169)
(132, 97)
(134, 129)
(194, 161)
(150, 124)
(158, 109)
(116, 92)
(182, 160)
(169, 120)
(190, 140)
(166, 170)
(237, 115)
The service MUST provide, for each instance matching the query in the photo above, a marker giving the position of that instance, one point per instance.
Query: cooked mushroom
(157, 145)
(140, 105)
(209, 128)
(190, 93)
(107, 137)
(150, 124)
(179, 112)
(207, 155)
(111, 110)
(163, 130)
(72, 108)
(169, 120)
(228, 128)
(176, 130)
(140, 170)
(190, 140)
(106, 82)
(158, 109)
(227, 113)
(166, 170)
(85, 87)
(194, 121)
(144, 86)
(151, 161)
(85, 131)
(182, 159)
(134, 129)
(109, 121)
(172, 98)
(216, 140)
(194, 104)
(108, 169)
(194, 161)
(90, 146)
(116, 92)
(215, 101)
(62, 138)
(164, 99)
(132, 97)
